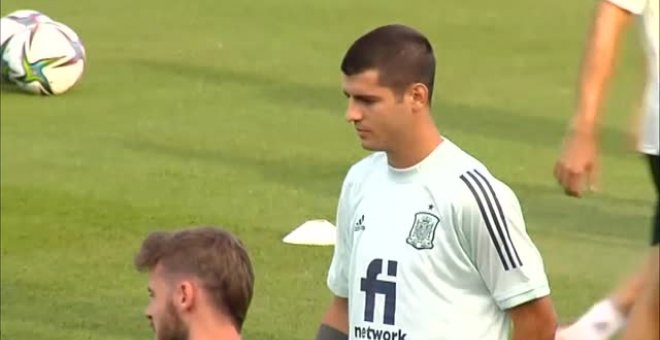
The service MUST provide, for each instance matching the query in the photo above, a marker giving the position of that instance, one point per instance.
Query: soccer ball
(47, 58)
(13, 23)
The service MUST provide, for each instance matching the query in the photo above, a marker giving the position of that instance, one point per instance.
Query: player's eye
(366, 100)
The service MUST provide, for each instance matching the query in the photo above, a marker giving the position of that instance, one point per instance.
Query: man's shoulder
(466, 176)
(455, 163)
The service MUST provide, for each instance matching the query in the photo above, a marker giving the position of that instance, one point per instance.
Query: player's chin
(370, 146)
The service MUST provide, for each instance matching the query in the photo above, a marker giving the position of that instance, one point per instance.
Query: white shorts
(649, 141)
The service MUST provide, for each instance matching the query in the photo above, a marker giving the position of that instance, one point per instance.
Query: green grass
(230, 113)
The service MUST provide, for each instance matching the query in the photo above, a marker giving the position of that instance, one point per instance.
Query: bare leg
(606, 317)
(644, 318)
(625, 295)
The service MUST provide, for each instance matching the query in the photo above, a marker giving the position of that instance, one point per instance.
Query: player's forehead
(156, 278)
(363, 83)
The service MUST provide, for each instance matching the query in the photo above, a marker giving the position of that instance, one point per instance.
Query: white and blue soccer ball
(46, 58)
(16, 22)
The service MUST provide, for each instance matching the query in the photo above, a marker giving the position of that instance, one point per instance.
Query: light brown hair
(214, 256)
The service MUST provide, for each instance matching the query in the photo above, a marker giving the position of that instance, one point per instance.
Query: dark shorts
(654, 161)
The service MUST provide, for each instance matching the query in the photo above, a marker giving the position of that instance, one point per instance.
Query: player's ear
(419, 96)
(185, 295)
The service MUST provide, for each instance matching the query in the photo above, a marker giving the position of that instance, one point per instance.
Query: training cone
(313, 233)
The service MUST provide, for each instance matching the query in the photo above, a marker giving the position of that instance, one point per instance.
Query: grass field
(230, 113)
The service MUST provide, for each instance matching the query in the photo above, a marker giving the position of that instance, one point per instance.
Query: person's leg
(624, 295)
(638, 294)
(606, 317)
(644, 317)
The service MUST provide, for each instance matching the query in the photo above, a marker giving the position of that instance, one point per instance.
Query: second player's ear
(419, 95)
(185, 295)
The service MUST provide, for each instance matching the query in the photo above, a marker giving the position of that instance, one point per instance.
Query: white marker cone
(314, 233)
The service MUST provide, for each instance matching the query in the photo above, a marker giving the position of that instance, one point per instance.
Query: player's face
(377, 113)
(161, 312)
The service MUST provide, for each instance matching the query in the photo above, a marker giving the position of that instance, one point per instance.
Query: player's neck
(414, 147)
(211, 328)
(225, 334)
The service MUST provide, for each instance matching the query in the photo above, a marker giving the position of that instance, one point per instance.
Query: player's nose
(353, 113)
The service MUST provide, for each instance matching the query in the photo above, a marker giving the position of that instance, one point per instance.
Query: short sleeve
(490, 220)
(339, 267)
(632, 6)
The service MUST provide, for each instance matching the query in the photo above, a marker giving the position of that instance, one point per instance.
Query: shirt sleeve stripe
(503, 219)
(487, 220)
(496, 224)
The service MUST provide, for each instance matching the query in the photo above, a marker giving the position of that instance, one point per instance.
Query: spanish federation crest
(422, 231)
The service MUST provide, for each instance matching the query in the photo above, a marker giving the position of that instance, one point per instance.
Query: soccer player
(200, 283)
(430, 245)
(637, 298)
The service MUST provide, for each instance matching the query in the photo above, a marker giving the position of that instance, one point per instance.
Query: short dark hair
(402, 55)
(211, 254)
